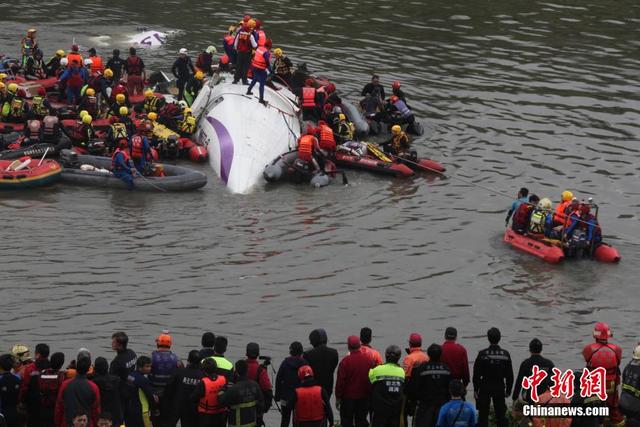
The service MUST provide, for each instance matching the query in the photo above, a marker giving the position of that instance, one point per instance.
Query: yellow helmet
(396, 129)
(2, 76)
(87, 119)
(277, 51)
(252, 23)
(2, 85)
(342, 117)
(120, 98)
(13, 88)
(83, 113)
(108, 73)
(91, 92)
(60, 53)
(148, 93)
(232, 28)
(567, 196)
(124, 111)
(545, 203)
(152, 116)
(186, 110)
(199, 75)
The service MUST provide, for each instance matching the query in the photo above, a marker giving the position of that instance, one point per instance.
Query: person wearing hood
(309, 403)
(182, 386)
(287, 377)
(244, 399)
(322, 359)
(109, 386)
(352, 385)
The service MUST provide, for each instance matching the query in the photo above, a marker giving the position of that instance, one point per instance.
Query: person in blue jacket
(9, 389)
(457, 412)
(521, 198)
(583, 219)
(120, 164)
(140, 151)
(143, 401)
(74, 77)
(287, 379)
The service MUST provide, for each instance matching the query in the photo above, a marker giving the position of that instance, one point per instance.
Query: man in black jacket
(492, 380)
(109, 386)
(123, 364)
(526, 367)
(323, 360)
(208, 340)
(182, 385)
(428, 386)
(244, 399)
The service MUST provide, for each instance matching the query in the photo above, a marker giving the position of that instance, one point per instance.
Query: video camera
(266, 360)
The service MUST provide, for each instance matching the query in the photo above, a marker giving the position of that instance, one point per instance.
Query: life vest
(113, 158)
(137, 148)
(228, 40)
(308, 97)
(281, 67)
(309, 404)
(74, 57)
(538, 221)
(305, 147)
(244, 41)
(134, 65)
(209, 403)
(560, 214)
(17, 107)
(96, 64)
(75, 79)
(119, 131)
(91, 105)
(50, 127)
(151, 104)
(38, 107)
(259, 60)
(34, 129)
(188, 124)
(49, 382)
(327, 141)
(27, 46)
(163, 363)
(399, 142)
(402, 108)
(262, 38)
(607, 356)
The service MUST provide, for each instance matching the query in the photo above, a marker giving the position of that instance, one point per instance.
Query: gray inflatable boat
(176, 178)
(285, 168)
(355, 116)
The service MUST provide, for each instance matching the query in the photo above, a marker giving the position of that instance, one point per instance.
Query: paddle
(43, 156)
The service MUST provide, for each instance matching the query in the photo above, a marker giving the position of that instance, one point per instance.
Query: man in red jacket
(78, 395)
(455, 356)
(352, 385)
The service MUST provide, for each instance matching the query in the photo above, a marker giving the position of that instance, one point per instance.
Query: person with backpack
(42, 391)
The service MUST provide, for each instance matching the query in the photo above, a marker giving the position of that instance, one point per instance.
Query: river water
(512, 93)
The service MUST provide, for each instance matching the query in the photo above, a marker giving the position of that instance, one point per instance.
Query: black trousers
(386, 417)
(212, 420)
(242, 67)
(353, 412)
(484, 402)
(426, 415)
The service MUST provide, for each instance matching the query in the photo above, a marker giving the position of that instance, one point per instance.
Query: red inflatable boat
(371, 164)
(27, 172)
(551, 253)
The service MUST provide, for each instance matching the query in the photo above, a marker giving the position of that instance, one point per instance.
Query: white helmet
(183, 51)
(88, 62)
(64, 62)
(211, 49)
(636, 353)
(183, 104)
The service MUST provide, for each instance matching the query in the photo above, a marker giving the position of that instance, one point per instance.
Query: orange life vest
(559, 215)
(73, 56)
(327, 141)
(96, 65)
(305, 147)
(137, 147)
(229, 39)
(209, 403)
(113, 158)
(309, 404)
(262, 38)
(259, 60)
(308, 97)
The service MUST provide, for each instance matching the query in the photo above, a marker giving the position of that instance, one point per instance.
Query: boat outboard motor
(69, 159)
(272, 172)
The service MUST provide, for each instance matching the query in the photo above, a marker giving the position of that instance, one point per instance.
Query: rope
(295, 137)
(150, 183)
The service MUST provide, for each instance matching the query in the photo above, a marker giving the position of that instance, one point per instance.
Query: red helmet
(393, 98)
(331, 88)
(601, 331)
(42, 91)
(395, 85)
(75, 47)
(21, 93)
(164, 339)
(305, 372)
(224, 59)
(123, 143)
(258, 24)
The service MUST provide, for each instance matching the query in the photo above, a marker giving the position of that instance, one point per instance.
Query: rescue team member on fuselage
(227, 44)
(204, 62)
(243, 44)
(193, 87)
(182, 69)
(282, 66)
(121, 164)
(260, 64)
(522, 216)
(310, 403)
(388, 390)
(523, 197)
(211, 413)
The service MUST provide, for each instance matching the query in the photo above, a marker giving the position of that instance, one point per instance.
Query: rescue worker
(143, 401)
(211, 413)
(51, 132)
(260, 64)
(306, 160)
(454, 355)
(526, 367)
(84, 132)
(193, 86)
(326, 148)
(8, 95)
(116, 65)
(140, 151)
(228, 44)
(152, 103)
(53, 64)
(31, 133)
(522, 216)
(243, 45)
(344, 131)
(287, 379)
(106, 85)
(560, 214)
(96, 62)
(399, 144)
(259, 34)
(244, 399)
(541, 221)
(582, 219)
(374, 84)
(387, 390)
(17, 109)
(87, 66)
(523, 197)
(42, 392)
(40, 363)
(258, 372)
(120, 130)
(121, 101)
(74, 78)
(223, 366)
(180, 388)
(3, 94)
(457, 412)
(109, 386)
(282, 66)
(322, 359)
(630, 396)
(121, 163)
(35, 68)
(365, 346)
(204, 62)
(353, 386)
(428, 387)
(187, 126)
(310, 403)
(164, 362)
(603, 354)
(395, 89)
(74, 57)
(224, 64)
(89, 102)
(135, 71)
(182, 69)
(77, 394)
(28, 44)
(40, 105)
(492, 380)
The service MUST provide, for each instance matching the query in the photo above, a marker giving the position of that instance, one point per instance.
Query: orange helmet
(164, 340)
(393, 98)
(305, 371)
(601, 331)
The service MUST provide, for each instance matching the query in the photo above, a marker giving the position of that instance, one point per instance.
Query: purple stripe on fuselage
(226, 148)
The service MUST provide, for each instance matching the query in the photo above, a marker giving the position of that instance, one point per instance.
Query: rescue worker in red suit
(140, 150)
(243, 45)
(326, 143)
(210, 412)
(602, 354)
(259, 34)
(353, 388)
(136, 73)
(310, 403)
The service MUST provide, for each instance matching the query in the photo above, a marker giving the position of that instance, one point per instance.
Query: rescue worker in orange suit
(211, 413)
(74, 56)
(244, 399)
(121, 164)
(560, 214)
(227, 44)
(603, 354)
(260, 64)
(306, 148)
(258, 372)
(243, 44)
(326, 148)
(522, 216)
(310, 403)
(313, 101)
(96, 62)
